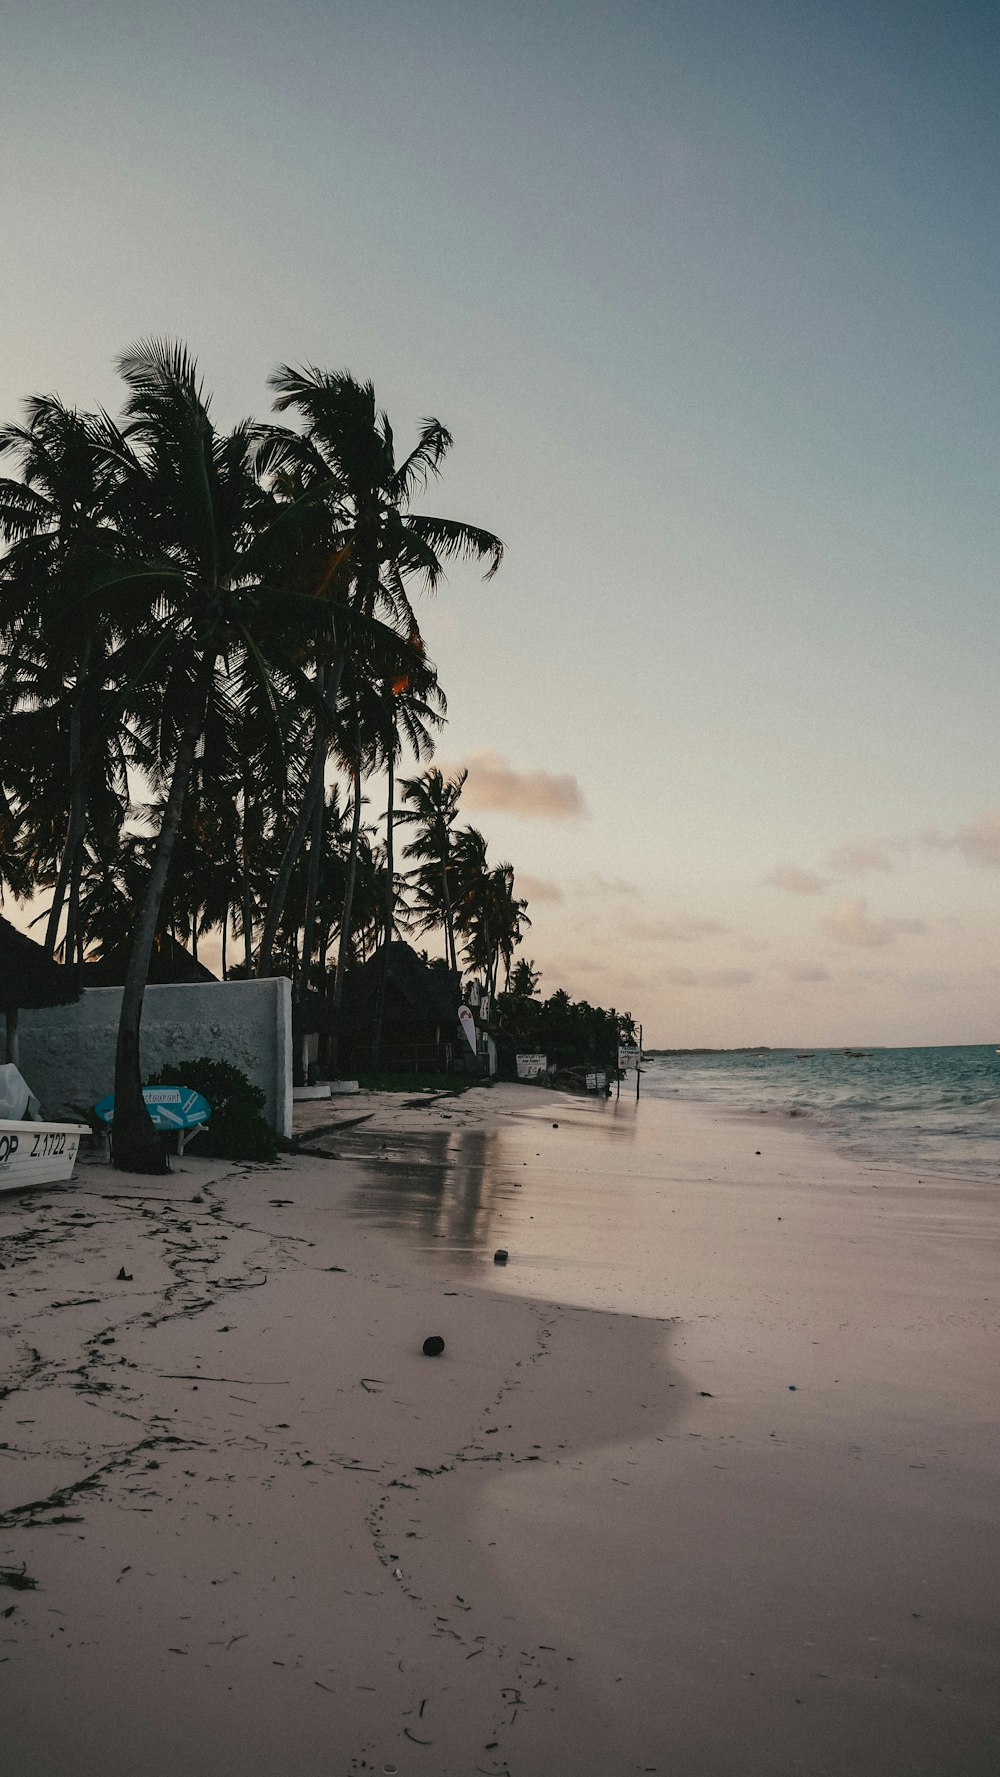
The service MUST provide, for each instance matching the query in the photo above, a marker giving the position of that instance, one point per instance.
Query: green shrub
(237, 1130)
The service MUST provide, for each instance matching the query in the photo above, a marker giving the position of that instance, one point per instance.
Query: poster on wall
(530, 1066)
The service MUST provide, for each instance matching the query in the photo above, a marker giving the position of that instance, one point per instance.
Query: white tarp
(18, 1103)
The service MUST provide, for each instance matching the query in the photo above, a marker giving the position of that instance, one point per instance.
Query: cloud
(674, 931)
(493, 784)
(795, 881)
(678, 977)
(852, 924)
(978, 841)
(537, 889)
(610, 980)
(930, 981)
(808, 972)
(603, 885)
(715, 978)
(858, 860)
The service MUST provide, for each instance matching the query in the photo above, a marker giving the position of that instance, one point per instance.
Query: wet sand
(705, 1481)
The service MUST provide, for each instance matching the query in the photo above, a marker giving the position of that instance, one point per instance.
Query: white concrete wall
(68, 1052)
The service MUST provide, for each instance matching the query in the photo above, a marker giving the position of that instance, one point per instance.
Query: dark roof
(169, 963)
(28, 976)
(427, 992)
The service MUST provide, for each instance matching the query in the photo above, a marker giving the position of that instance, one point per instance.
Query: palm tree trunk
(345, 923)
(246, 898)
(390, 908)
(77, 823)
(312, 890)
(135, 1145)
(315, 789)
(74, 935)
(309, 920)
(449, 923)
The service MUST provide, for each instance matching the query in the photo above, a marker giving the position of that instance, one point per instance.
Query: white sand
(276, 1538)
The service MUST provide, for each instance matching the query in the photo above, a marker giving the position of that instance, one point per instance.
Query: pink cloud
(795, 881)
(714, 978)
(858, 860)
(978, 841)
(493, 784)
(674, 931)
(537, 889)
(600, 886)
(852, 924)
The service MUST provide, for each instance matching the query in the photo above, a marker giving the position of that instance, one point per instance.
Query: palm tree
(55, 520)
(191, 515)
(524, 979)
(404, 717)
(433, 809)
(370, 547)
(493, 919)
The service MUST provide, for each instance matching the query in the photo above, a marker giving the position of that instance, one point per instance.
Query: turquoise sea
(934, 1109)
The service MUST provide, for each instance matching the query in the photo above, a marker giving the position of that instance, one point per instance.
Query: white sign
(629, 1057)
(468, 1024)
(596, 1082)
(530, 1066)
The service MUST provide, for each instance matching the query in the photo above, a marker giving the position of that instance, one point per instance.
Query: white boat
(37, 1153)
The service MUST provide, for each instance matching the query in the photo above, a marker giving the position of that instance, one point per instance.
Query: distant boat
(859, 1054)
(805, 1055)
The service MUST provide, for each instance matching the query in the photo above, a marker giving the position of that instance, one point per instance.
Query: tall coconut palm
(191, 515)
(430, 805)
(492, 916)
(403, 717)
(345, 461)
(55, 520)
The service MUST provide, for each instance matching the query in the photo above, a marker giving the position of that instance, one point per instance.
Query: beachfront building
(420, 1028)
(28, 978)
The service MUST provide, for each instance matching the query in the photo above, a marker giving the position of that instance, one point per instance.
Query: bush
(237, 1130)
(438, 1082)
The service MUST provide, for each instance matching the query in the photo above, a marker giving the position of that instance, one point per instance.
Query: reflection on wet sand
(570, 1196)
(440, 1185)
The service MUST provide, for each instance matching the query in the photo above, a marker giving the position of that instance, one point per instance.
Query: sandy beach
(705, 1481)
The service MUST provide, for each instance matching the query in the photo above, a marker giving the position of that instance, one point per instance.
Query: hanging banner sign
(468, 1024)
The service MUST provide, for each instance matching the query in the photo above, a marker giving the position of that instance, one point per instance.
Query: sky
(706, 293)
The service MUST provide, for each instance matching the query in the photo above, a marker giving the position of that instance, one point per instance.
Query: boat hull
(37, 1153)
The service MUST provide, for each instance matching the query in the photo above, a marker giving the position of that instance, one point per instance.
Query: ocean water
(934, 1109)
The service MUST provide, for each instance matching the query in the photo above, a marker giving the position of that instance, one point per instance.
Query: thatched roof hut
(420, 1014)
(29, 977)
(170, 963)
(418, 993)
